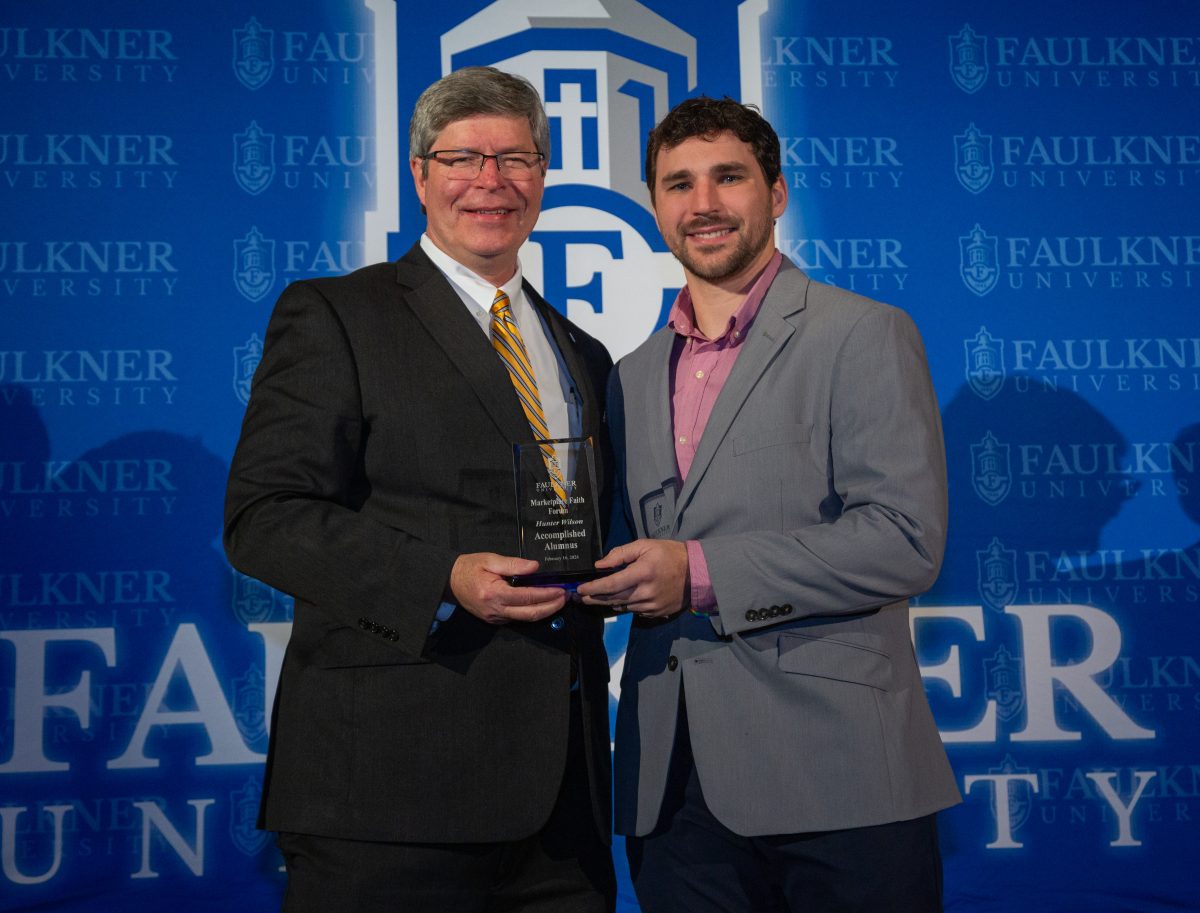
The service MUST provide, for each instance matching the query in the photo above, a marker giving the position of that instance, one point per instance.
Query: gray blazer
(818, 493)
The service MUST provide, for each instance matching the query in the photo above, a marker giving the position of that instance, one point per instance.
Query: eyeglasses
(465, 164)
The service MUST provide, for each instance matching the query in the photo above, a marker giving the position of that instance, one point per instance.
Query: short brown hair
(707, 117)
(470, 92)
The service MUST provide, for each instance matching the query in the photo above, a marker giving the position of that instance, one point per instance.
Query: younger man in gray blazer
(783, 470)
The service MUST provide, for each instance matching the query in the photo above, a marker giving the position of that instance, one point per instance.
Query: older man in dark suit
(440, 738)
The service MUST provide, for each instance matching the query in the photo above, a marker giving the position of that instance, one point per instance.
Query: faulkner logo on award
(973, 164)
(306, 58)
(1137, 365)
(865, 265)
(85, 55)
(841, 162)
(1069, 161)
(1003, 674)
(1088, 263)
(67, 269)
(245, 363)
(997, 575)
(253, 264)
(253, 54)
(991, 469)
(985, 369)
(88, 161)
(69, 378)
(837, 62)
(254, 158)
(1074, 62)
(978, 258)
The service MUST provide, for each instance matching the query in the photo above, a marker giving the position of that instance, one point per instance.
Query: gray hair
(470, 92)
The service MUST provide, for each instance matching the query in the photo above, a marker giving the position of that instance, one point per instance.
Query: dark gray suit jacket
(818, 494)
(376, 448)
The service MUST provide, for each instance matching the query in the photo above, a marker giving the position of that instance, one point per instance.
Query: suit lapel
(661, 431)
(568, 347)
(773, 326)
(437, 306)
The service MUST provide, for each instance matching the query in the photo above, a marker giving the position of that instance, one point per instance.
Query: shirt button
(737, 334)
(683, 439)
(557, 624)
(699, 375)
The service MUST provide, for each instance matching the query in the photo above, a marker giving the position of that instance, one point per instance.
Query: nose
(704, 197)
(489, 174)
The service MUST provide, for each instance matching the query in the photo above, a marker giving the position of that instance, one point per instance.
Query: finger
(528, 596)
(534, 612)
(509, 566)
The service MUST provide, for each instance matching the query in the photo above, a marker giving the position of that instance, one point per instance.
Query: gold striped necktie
(506, 340)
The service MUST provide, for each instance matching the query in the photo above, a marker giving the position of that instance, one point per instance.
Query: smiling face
(481, 222)
(715, 209)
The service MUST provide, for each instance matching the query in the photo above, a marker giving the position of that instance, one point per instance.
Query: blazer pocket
(773, 437)
(346, 648)
(843, 657)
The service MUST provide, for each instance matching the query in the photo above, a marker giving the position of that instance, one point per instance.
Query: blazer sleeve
(293, 508)
(882, 528)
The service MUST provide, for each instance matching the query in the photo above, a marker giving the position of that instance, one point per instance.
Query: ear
(779, 197)
(418, 166)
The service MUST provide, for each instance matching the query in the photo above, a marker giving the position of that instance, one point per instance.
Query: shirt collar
(682, 318)
(470, 284)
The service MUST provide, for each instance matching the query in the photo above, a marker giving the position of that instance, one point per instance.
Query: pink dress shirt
(699, 368)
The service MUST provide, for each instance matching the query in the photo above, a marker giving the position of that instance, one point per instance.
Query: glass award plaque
(558, 517)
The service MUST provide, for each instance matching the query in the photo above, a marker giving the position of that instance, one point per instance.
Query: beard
(752, 237)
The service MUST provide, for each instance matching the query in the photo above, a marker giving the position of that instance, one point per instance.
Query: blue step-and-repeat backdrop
(1024, 178)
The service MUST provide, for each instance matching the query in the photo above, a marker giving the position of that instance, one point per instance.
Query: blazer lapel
(568, 347)
(769, 333)
(661, 431)
(435, 303)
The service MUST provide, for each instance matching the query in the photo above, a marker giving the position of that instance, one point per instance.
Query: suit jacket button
(672, 663)
(364, 624)
(786, 608)
(751, 615)
(557, 623)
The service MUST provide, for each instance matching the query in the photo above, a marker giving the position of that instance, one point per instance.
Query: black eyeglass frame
(500, 157)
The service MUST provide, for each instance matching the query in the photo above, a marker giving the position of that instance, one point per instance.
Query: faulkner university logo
(1003, 674)
(973, 159)
(968, 60)
(253, 264)
(607, 73)
(253, 54)
(991, 469)
(997, 578)
(985, 363)
(243, 821)
(979, 256)
(245, 363)
(254, 158)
